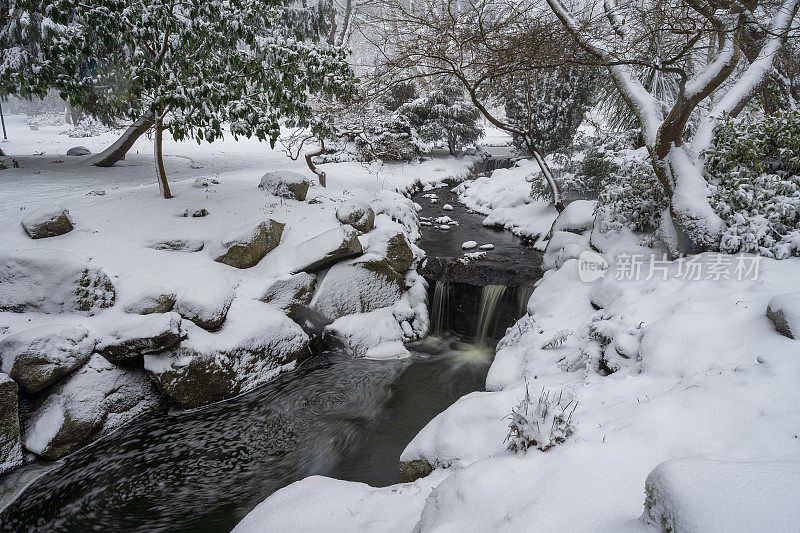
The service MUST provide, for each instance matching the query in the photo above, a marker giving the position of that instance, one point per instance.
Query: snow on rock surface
(92, 402)
(784, 311)
(357, 214)
(10, 439)
(391, 243)
(577, 217)
(469, 245)
(245, 247)
(447, 207)
(178, 245)
(206, 305)
(357, 286)
(52, 281)
(255, 344)
(290, 290)
(78, 151)
(134, 335)
(49, 221)
(318, 252)
(286, 184)
(151, 300)
(701, 495)
(40, 356)
(563, 246)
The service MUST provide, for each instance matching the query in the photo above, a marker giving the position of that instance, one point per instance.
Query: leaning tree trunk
(117, 151)
(158, 155)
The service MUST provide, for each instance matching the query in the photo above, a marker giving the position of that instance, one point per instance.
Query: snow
(388, 350)
(687, 495)
(469, 245)
(447, 207)
(577, 217)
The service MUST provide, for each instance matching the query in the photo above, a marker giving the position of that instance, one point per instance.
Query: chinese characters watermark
(645, 267)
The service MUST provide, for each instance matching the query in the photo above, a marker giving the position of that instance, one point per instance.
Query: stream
(203, 470)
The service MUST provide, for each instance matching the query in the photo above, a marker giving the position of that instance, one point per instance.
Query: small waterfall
(524, 293)
(439, 308)
(490, 297)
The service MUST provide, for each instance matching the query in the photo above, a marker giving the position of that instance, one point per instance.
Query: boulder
(52, 281)
(92, 402)
(784, 311)
(357, 214)
(136, 335)
(326, 249)
(8, 162)
(38, 357)
(563, 246)
(392, 244)
(246, 247)
(290, 291)
(46, 222)
(78, 151)
(178, 245)
(152, 300)
(207, 305)
(10, 439)
(357, 286)
(577, 217)
(255, 344)
(285, 184)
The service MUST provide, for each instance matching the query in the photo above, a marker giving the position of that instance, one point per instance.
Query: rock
(133, 336)
(447, 207)
(78, 151)
(52, 281)
(195, 212)
(290, 291)
(38, 357)
(577, 217)
(487, 246)
(253, 347)
(444, 227)
(413, 470)
(8, 162)
(357, 286)
(357, 214)
(244, 248)
(152, 300)
(398, 252)
(326, 249)
(10, 439)
(46, 222)
(92, 402)
(207, 306)
(285, 184)
(388, 350)
(784, 311)
(563, 245)
(178, 245)
(469, 245)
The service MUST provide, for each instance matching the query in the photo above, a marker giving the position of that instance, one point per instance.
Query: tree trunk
(117, 151)
(320, 174)
(348, 13)
(158, 155)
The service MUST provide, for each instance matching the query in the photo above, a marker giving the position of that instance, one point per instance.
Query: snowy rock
(447, 207)
(357, 286)
(289, 291)
(195, 212)
(444, 227)
(49, 221)
(784, 311)
(605, 292)
(391, 243)
(469, 245)
(10, 439)
(563, 245)
(285, 184)
(358, 214)
(255, 344)
(356, 335)
(135, 335)
(327, 249)
(178, 245)
(152, 300)
(689, 495)
(487, 246)
(8, 162)
(577, 217)
(206, 306)
(38, 357)
(244, 248)
(92, 402)
(52, 281)
(388, 350)
(79, 151)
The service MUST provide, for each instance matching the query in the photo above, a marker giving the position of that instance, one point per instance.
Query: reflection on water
(204, 469)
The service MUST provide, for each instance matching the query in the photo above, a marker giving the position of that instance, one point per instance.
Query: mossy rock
(413, 470)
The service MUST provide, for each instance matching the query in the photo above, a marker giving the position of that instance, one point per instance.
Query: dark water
(203, 470)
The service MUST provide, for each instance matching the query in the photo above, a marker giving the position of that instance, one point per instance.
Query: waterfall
(439, 309)
(490, 297)
(524, 293)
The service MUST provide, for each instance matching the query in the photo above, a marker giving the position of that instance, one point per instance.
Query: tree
(444, 115)
(187, 67)
(702, 45)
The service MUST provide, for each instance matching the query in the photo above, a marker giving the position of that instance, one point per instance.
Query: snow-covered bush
(444, 116)
(754, 171)
(388, 137)
(541, 424)
(400, 93)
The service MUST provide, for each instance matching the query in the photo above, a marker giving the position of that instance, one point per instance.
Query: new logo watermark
(591, 266)
(644, 267)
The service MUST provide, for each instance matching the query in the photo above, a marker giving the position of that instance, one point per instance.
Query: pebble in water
(447, 207)
(469, 245)
(488, 246)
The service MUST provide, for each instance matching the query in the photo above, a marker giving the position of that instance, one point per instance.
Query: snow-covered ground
(687, 411)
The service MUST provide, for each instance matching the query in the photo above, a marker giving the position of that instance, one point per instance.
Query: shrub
(541, 425)
(753, 169)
